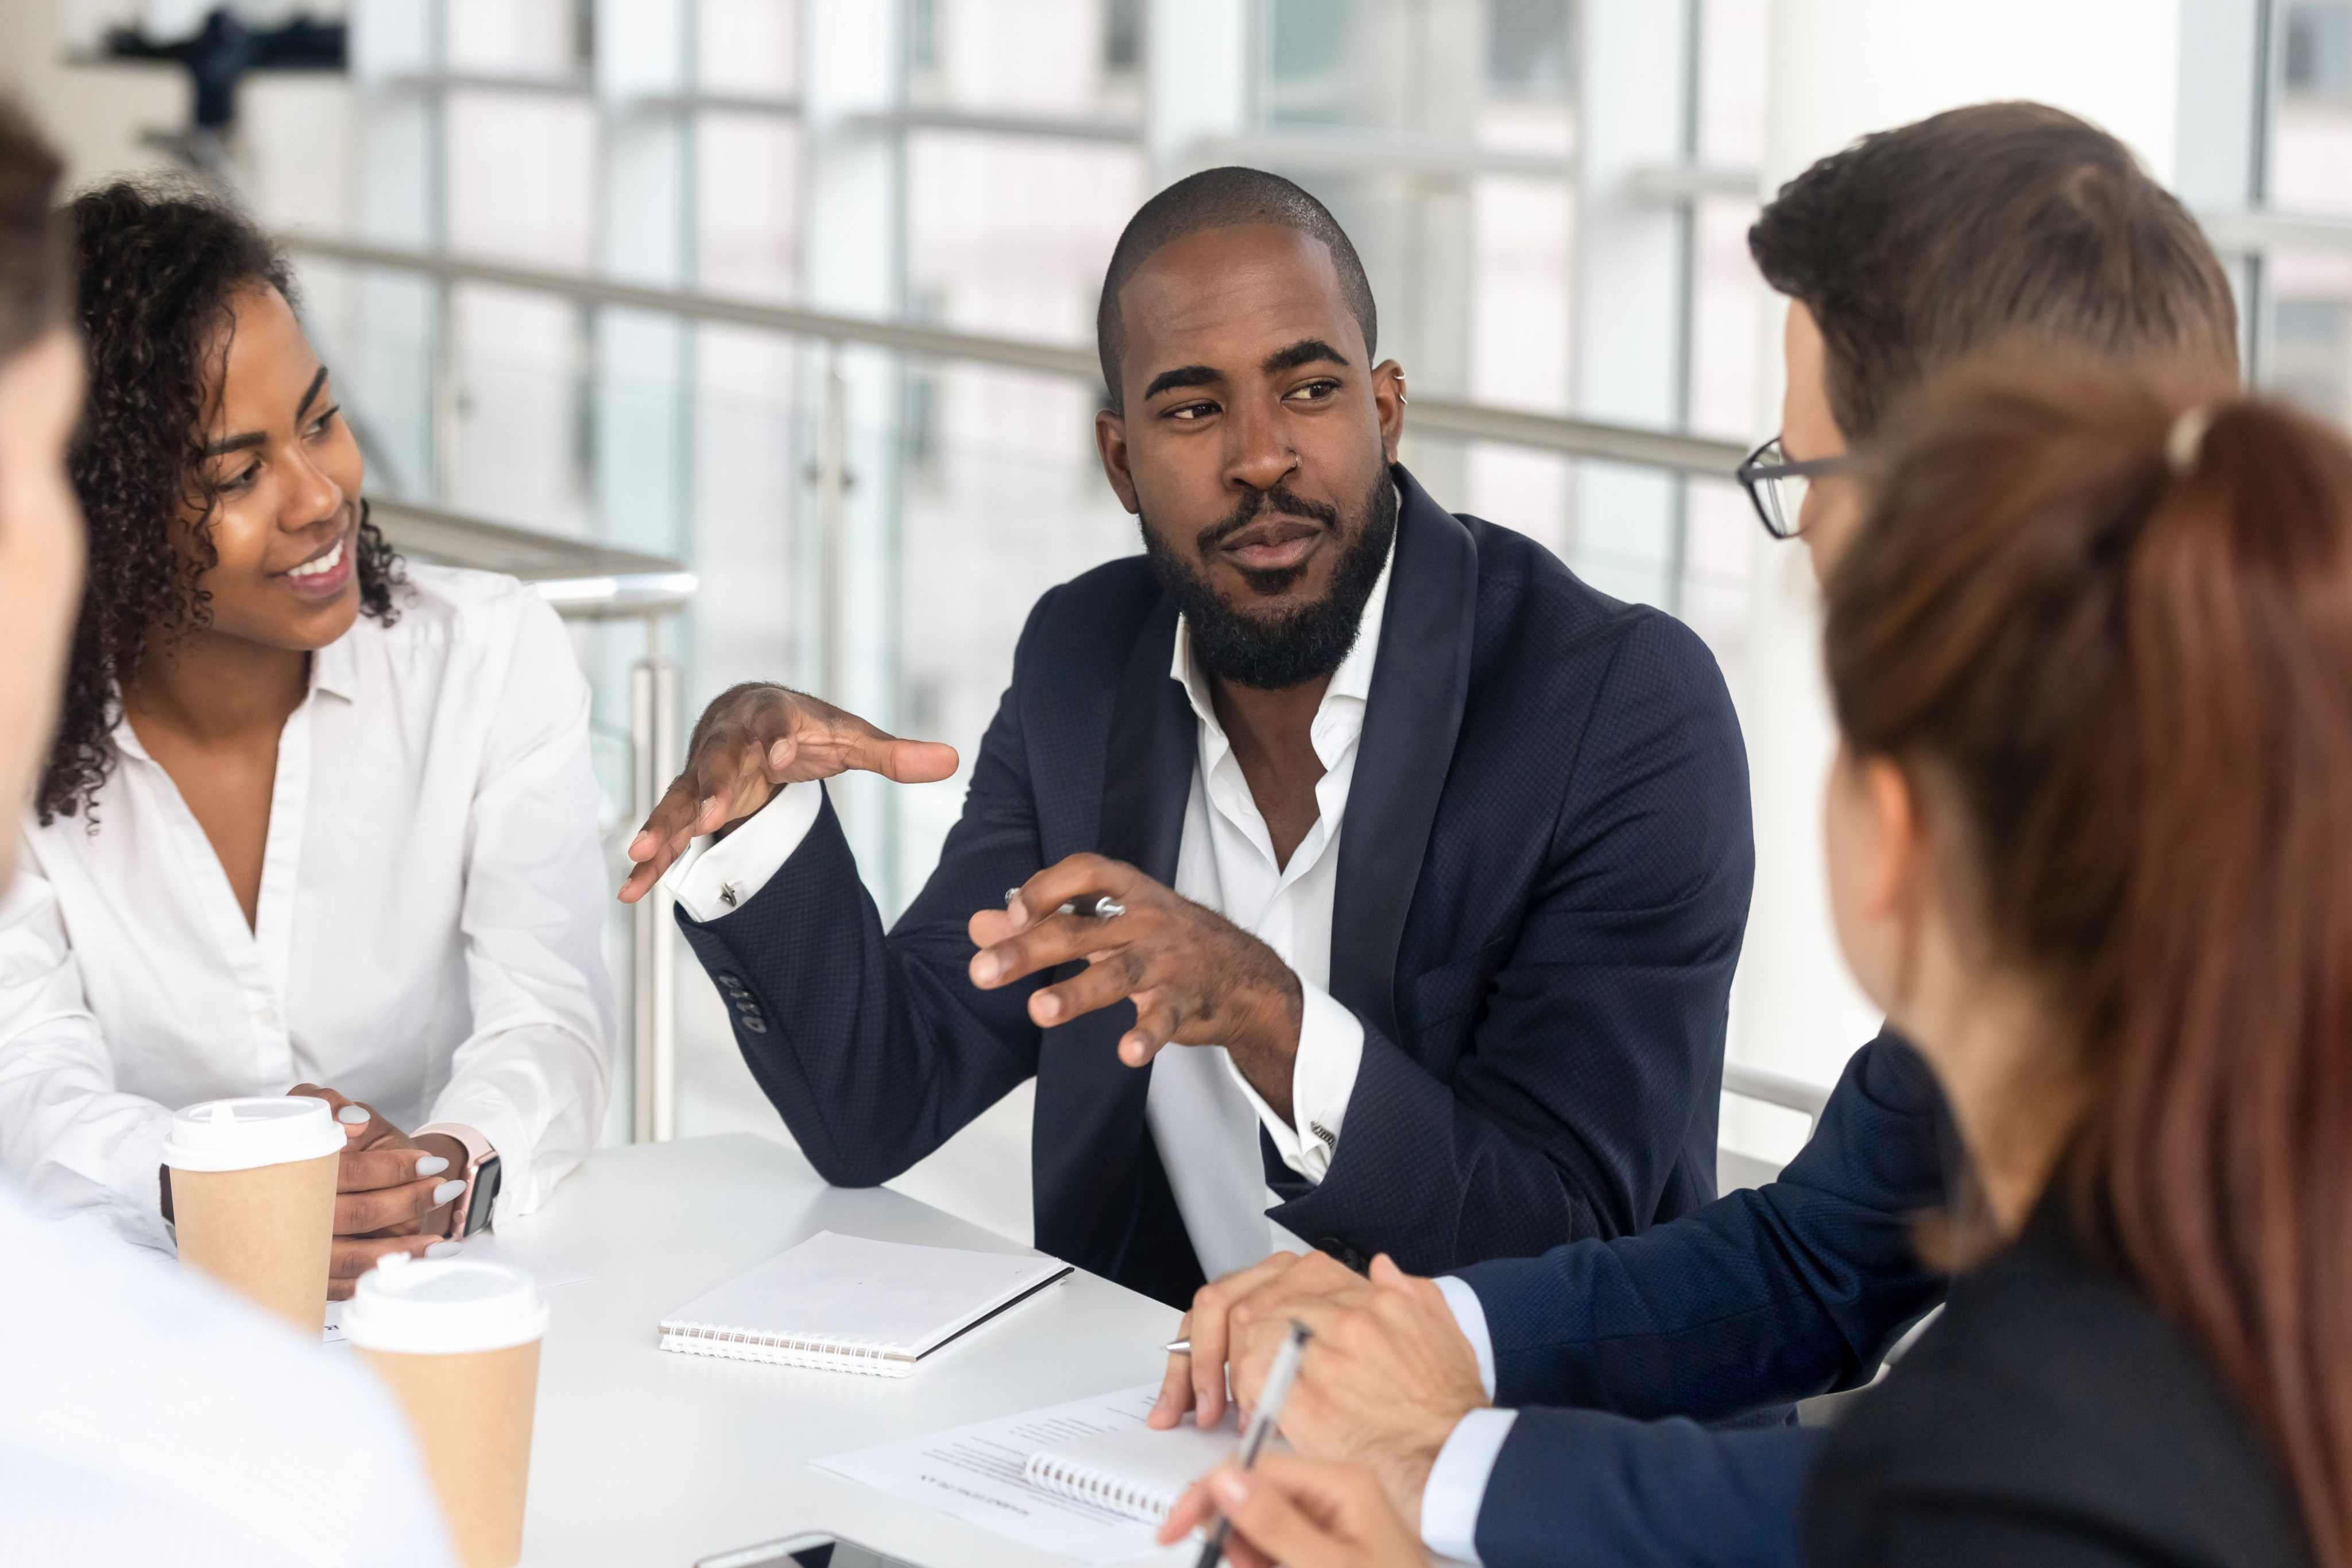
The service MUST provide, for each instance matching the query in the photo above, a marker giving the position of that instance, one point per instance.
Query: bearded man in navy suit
(1427, 864)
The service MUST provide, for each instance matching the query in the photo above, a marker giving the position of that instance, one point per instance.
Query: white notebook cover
(1137, 1471)
(843, 1304)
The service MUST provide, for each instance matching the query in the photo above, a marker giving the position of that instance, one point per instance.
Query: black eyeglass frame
(1755, 474)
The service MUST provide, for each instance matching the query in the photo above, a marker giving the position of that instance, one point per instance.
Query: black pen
(1261, 1426)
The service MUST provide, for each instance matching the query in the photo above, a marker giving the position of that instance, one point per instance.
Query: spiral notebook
(843, 1304)
(1135, 1472)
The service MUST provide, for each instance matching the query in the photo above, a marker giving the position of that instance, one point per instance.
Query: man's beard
(1303, 644)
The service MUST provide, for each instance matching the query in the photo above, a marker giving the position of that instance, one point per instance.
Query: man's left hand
(1195, 978)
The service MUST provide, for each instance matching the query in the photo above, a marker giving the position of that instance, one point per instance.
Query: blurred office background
(768, 322)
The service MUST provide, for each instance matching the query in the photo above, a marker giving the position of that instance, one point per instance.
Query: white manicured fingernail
(445, 1249)
(351, 1116)
(446, 1191)
(430, 1165)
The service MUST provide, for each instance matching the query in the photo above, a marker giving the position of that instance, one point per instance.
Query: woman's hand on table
(392, 1193)
(1299, 1513)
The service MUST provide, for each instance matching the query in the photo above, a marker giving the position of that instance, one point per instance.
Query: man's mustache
(1278, 500)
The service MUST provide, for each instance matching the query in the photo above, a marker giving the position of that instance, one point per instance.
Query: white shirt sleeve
(66, 1132)
(1457, 1483)
(131, 1430)
(717, 876)
(1322, 1078)
(1470, 1317)
(531, 1077)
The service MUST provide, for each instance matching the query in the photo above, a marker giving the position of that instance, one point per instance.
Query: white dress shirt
(426, 938)
(152, 1418)
(1205, 1117)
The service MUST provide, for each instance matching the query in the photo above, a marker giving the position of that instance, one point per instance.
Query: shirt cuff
(1470, 1317)
(1457, 1483)
(1322, 1078)
(717, 876)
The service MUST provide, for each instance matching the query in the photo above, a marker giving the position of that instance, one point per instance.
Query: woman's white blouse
(427, 936)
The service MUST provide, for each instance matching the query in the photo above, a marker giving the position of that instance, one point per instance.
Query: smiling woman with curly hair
(158, 275)
(315, 820)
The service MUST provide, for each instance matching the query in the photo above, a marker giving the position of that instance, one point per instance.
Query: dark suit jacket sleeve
(1593, 1068)
(877, 1048)
(1769, 1295)
(1577, 1487)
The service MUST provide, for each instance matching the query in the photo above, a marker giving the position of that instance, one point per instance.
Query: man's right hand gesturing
(750, 742)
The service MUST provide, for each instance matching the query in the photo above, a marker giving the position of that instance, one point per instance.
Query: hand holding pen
(1194, 977)
(1254, 1436)
(1267, 1508)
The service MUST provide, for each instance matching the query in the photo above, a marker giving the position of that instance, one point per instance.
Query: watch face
(486, 1191)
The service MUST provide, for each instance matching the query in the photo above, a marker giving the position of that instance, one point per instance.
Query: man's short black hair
(1998, 222)
(1222, 199)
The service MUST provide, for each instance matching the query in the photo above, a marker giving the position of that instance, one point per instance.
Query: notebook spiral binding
(866, 1357)
(1086, 1484)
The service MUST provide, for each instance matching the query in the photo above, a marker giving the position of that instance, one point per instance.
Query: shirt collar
(333, 671)
(1351, 682)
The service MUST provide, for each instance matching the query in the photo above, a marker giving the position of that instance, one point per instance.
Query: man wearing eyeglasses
(2011, 225)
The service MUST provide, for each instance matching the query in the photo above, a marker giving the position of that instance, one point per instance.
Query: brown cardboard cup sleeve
(457, 1343)
(253, 1197)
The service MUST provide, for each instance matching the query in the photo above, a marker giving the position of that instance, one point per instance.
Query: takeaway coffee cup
(253, 1199)
(458, 1342)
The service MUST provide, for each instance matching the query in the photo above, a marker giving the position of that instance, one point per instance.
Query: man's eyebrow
(1183, 376)
(1306, 351)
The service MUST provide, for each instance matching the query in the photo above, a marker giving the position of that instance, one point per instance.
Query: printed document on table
(974, 1473)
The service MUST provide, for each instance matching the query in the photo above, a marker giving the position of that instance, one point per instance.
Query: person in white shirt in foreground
(314, 821)
(148, 1416)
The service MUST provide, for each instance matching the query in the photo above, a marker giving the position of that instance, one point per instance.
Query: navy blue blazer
(1543, 877)
(1788, 1290)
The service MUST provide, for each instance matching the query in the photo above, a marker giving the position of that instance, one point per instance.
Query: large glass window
(877, 524)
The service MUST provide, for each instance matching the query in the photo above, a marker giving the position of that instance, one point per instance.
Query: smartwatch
(481, 1176)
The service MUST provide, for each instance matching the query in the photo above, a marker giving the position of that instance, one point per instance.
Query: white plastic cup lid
(238, 1135)
(449, 1306)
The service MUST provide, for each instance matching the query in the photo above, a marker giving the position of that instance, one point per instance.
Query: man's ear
(1387, 399)
(1110, 440)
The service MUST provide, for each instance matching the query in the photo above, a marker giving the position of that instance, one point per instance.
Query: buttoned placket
(1229, 792)
(259, 956)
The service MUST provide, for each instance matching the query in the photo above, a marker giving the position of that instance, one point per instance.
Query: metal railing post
(832, 516)
(447, 393)
(653, 968)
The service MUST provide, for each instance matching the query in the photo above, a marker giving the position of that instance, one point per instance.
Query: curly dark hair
(159, 266)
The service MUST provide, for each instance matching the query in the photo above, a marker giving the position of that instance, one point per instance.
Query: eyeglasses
(1776, 486)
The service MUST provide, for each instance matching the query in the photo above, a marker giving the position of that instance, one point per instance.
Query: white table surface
(641, 1456)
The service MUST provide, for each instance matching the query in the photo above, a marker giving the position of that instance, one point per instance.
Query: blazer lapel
(1148, 769)
(1091, 1142)
(1420, 683)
